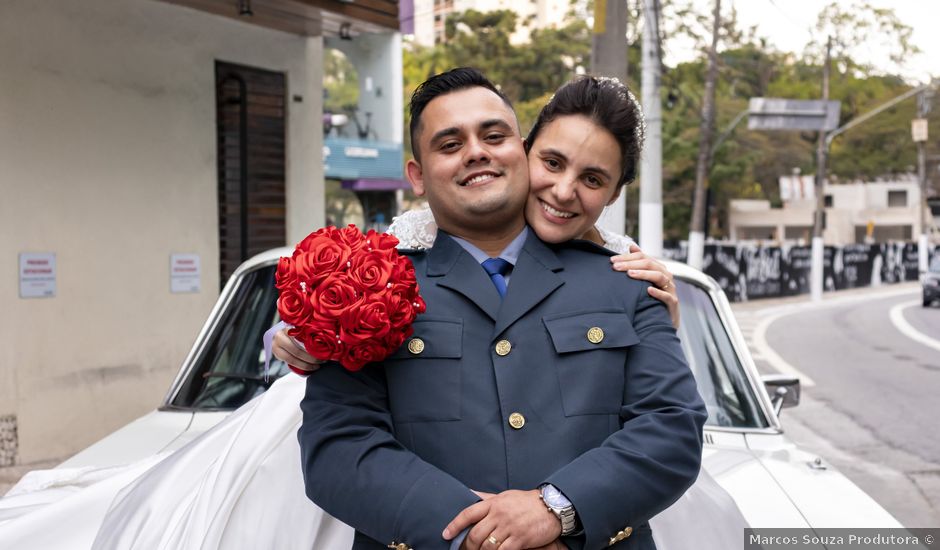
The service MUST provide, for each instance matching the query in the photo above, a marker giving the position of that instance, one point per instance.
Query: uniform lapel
(533, 278)
(450, 266)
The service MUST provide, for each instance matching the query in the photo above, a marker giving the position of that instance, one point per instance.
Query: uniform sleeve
(656, 455)
(357, 471)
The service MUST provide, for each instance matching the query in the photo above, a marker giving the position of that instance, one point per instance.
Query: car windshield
(229, 371)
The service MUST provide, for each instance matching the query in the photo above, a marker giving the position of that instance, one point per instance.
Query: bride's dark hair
(610, 105)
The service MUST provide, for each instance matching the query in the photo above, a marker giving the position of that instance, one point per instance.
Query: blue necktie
(497, 268)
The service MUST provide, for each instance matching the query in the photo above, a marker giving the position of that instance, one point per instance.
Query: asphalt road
(872, 405)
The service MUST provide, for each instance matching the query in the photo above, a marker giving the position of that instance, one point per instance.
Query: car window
(935, 265)
(721, 380)
(230, 369)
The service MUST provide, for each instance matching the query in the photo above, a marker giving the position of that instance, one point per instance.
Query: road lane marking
(897, 319)
(767, 315)
(763, 349)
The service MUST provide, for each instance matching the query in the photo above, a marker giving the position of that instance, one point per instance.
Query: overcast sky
(788, 24)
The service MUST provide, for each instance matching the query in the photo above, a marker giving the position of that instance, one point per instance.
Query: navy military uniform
(576, 379)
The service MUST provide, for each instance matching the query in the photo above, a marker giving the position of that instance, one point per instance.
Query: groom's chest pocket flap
(424, 373)
(591, 348)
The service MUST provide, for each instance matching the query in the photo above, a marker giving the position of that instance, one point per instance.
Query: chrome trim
(744, 431)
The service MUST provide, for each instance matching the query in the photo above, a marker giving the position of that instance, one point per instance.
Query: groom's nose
(475, 151)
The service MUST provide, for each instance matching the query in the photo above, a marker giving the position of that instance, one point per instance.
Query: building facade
(855, 213)
(431, 15)
(147, 148)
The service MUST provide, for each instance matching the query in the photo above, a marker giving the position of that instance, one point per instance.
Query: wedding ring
(492, 540)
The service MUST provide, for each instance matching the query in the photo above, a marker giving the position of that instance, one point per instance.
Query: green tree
(340, 82)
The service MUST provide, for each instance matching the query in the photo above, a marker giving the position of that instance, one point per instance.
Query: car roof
(678, 269)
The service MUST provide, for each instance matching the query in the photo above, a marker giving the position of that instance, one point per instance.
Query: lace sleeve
(618, 243)
(414, 229)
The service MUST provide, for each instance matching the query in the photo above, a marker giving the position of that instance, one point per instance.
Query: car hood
(776, 475)
(775, 484)
(156, 432)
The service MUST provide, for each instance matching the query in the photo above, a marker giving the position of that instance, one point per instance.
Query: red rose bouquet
(350, 297)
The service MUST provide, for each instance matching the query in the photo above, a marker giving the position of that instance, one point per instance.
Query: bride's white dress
(240, 486)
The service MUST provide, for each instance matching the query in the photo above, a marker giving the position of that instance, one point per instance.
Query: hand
(642, 267)
(554, 545)
(284, 348)
(515, 519)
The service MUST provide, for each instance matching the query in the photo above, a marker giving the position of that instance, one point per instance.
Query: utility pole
(651, 161)
(919, 133)
(609, 58)
(699, 215)
(822, 151)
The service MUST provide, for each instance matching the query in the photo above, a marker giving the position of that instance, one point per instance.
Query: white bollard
(923, 249)
(816, 270)
(696, 249)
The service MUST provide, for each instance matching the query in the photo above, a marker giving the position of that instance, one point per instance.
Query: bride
(239, 485)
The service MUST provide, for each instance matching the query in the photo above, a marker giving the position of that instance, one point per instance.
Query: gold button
(503, 347)
(627, 532)
(416, 346)
(517, 421)
(595, 335)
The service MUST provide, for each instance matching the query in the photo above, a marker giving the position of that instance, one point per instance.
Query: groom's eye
(449, 145)
(495, 137)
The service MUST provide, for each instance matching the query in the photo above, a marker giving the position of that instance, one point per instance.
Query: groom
(543, 397)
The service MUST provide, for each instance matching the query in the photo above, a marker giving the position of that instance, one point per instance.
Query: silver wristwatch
(559, 505)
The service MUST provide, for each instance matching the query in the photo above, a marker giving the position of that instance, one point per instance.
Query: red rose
(401, 310)
(286, 276)
(404, 272)
(324, 345)
(381, 241)
(365, 321)
(351, 237)
(294, 306)
(370, 271)
(360, 355)
(334, 295)
(396, 338)
(324, 257)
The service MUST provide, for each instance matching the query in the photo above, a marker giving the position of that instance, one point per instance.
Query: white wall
(378, 62)
(108, 149)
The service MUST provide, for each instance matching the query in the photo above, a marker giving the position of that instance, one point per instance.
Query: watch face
(554, 498)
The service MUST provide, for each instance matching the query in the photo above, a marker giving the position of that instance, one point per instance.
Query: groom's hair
(453, 80)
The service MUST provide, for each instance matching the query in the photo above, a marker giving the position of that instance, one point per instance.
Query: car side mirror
(784, 390)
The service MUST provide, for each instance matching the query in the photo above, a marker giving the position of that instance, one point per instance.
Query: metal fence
(748, 271)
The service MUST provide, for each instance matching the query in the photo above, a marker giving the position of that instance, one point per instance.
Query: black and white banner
(747, 271)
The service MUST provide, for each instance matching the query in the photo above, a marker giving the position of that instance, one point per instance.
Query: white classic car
(773, 482)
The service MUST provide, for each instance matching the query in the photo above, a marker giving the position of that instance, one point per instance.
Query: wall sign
(184, 273)
(37, 275)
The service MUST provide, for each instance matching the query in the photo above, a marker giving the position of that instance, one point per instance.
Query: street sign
(768, 113)
(919, 129)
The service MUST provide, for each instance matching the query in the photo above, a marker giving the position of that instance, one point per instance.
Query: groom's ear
(415, 176)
